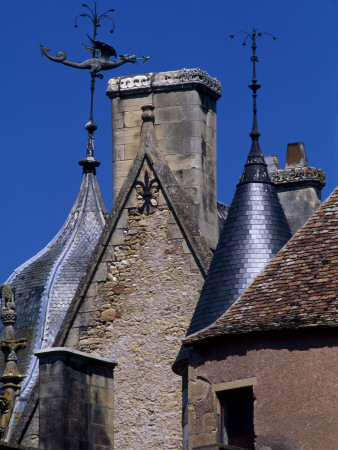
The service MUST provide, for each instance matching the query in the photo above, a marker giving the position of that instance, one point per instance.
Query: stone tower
(185, 126)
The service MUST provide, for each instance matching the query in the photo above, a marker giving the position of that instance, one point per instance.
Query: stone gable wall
(136, 312)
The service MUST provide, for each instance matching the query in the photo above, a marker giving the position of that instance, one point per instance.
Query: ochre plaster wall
(296, 404)
(136, 312)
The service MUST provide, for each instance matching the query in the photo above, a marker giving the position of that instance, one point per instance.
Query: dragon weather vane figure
(100, 61)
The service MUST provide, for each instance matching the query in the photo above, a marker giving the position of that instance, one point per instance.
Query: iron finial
(255, 156)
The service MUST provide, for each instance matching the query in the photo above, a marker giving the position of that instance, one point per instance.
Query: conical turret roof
(255, 230)
(45, 285)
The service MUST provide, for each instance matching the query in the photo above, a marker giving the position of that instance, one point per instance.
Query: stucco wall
(296, 404)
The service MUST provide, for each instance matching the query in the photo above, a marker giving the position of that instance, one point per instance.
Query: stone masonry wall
(185, 126)
(76, 401)
(136, 312)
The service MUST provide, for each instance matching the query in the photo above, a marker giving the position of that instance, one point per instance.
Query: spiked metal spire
(255, 168)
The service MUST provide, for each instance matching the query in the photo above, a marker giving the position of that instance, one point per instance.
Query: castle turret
(185, 102)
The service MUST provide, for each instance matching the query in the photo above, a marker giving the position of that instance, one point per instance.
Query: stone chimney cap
(296, 156)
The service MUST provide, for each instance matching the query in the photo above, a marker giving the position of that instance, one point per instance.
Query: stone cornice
(175, 79)
(298, 175)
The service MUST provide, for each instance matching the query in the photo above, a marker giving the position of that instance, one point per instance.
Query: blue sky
(46, 105)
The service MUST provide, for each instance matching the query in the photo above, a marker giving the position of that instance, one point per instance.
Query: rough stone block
(117, 120)
(185, 162)
(170, 114)
(133, 119)
(211, 119)
(131, 149)
(123, 220)
(175, 130)
(176, 98)
(173, 232)
(101, 272)
(193, 112)
(119, 153)
(194, 145)
(171, 146)
(134, 102)
(73, 337)
(193, 177)
(126, 136)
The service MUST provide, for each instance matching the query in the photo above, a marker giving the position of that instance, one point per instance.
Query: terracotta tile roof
(298, 288)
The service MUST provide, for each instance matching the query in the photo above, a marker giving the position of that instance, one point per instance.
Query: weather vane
(254, 86)
(100, 61)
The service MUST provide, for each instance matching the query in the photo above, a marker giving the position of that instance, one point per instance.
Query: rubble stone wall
(136, 312)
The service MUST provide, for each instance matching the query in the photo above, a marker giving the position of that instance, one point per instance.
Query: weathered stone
(67, 380)
(108, 315)
(132, 119)
(185, 125)
(151, 291)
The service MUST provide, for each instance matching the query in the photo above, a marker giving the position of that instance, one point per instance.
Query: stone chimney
(298, 185)
(185, 127)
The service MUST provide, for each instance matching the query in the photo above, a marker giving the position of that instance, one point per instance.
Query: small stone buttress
(11, 378)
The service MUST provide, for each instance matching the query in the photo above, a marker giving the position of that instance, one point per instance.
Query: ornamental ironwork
(101, 54)
(148, 192)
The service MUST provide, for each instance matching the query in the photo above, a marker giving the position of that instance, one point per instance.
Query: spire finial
(100, 60)
(255, 156)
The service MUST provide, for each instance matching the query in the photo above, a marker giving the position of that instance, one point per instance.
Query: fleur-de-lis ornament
(147, 192)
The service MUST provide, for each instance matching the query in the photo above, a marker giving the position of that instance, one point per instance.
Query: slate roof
(222, 214)
(45, 285)
(255, 230)
(298, 288)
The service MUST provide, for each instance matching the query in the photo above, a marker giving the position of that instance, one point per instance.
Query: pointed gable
(297, 289)
(137, 298)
